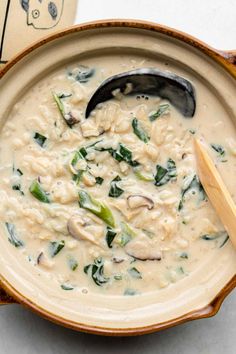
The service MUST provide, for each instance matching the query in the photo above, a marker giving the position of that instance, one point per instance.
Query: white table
(22, 332)
(213, 21)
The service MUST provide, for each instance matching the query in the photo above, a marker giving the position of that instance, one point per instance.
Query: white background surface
(22, 332)
(213, 21)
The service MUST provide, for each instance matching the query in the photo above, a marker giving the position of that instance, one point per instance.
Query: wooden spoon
(216, 191)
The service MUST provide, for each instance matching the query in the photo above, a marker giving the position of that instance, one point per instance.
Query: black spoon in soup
(179, 91)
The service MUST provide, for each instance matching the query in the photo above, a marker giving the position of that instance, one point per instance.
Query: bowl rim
(221, 57)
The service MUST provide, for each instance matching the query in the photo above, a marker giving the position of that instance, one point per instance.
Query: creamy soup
(111, 204)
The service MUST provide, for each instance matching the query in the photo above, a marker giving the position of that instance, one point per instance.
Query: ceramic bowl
(199, 298)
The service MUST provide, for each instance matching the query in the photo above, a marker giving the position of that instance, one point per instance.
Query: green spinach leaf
(134, 273)
(96, 271)
(139, 131)
(121, 154)
(110, 235)
(115, 191)
(193, 184)
(82, 74)
(219, 149)
(13, 238)
(55, 247)
(164, 175)
(39, 139)
(130, 292)
(73, 264)
(99, 180)
(160, 111)
(67, 287)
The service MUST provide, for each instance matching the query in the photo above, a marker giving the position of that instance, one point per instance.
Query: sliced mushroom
(137, 201)
(77, 228)
(142, 250)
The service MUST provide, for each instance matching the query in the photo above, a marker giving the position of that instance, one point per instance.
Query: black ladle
(172, 87)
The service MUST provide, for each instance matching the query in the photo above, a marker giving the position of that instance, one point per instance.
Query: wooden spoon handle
(216, 191)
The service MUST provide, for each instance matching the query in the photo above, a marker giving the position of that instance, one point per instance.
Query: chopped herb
(219, 149)
(64, 95)
(73, 264)
(55, 247)
(164, 175)
(37, 191)
(139, 131)
(99, 180)
(180, 270)
(171, 168)
(130, 292)
(68, 117)
(78, 156)
(150, 234)
(118, 277)
(142, 177)
(127, 234)
(213, 236)
(39, 139)
(78, 176)
(83, 152)
(96, 271)
(18, 172)
(161, 176)
(160, 111)
(191, 184)
(96, 207)
(192, 131)
(209, 237)
(121, 154)
(134, 273)
(67, 287)
(127, 155)
(59, 103)
(225, 240)
(180, 207)
(183, 255)
(115, 191)
(17, 187)
(13, 237)
(83, 74)
(93, 144)
(110, 235)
